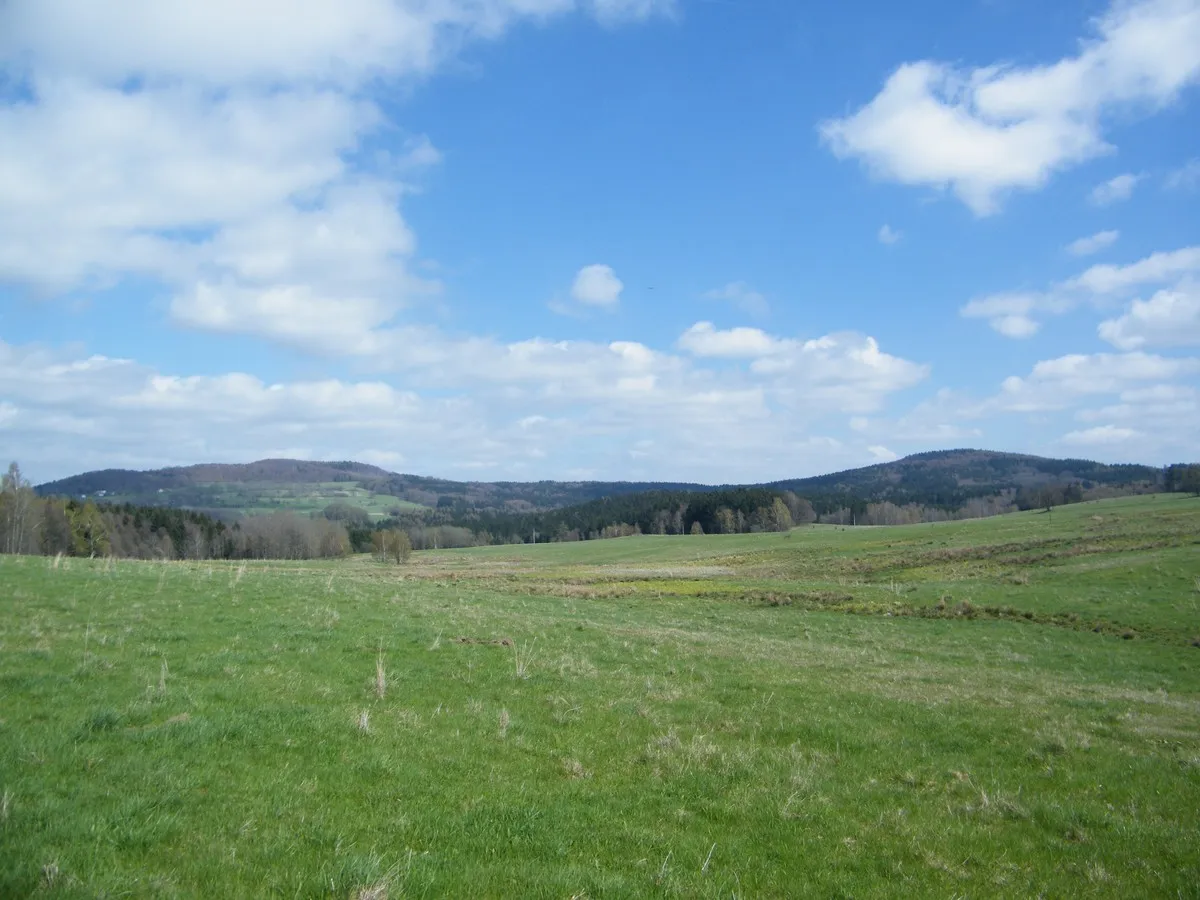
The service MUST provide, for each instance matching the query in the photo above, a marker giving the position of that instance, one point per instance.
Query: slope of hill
(265, 471)
(942, 478)
(272, 484)
(951, 477)
(264, 486)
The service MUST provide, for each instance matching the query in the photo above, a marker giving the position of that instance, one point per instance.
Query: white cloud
(704, 340)
(882, 454)
(1086, 246)
(597, 285)
(1171, 318)
(743, 297)
(291, 314)
(1186, 177)
(97, 182)
(324, 279)
(1057, 383)
(937, 421)
(1016, 326)
(889, 235)
(1115, 189)
(1101, 436)
(1131, 406)
(985, 131)
(1159, 409)
(565, 405)
(227, 154)
(1008, 314)
(130, 414)
(838, 369)
(846, 371)
(268, 42)
(416, 153)
(612, 11)
(1017, 314)
(216, 148)
(1154, 269)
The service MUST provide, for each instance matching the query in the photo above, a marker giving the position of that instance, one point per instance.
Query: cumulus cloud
(217, 148)
(1017, 314)
(612, 11)
(1008, 314)
(99, 182)
(742, 296)
(1086, 246)
(844, 369)
(983, 132)
(1102, 435)
(268, 42)
(705, 340)
(556, 406)
(1155, 421)
(1056, 383)
(1130, 407)
(1186, 177)
(1115, 189)
(597, 285)
(1154, 269)
(1170, 318)
(889, 235)
(1159, 409)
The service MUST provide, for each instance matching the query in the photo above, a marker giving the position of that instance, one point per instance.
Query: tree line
(51, 525)
(1183, 478)
(55, 525)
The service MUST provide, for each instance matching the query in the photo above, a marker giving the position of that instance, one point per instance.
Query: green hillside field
(1004, 708)
(250, 498)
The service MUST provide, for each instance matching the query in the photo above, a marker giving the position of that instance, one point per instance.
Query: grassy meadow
(998, 708)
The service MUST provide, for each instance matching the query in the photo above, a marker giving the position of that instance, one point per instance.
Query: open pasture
(1005, 707)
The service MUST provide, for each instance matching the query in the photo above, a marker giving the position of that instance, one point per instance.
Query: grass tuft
(574, 769)
(522, 658)
(50, 873)
(373, 892)
(380, 677)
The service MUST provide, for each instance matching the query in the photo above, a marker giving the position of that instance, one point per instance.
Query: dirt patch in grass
(493, 642)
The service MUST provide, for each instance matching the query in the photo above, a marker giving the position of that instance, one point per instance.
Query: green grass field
(1006, 708)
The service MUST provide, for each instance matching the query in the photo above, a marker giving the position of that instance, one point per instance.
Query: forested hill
(301, 485)
(951, 477)
(944, 479)
(265, 471)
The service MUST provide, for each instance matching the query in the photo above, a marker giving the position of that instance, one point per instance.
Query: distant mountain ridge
(943, 477)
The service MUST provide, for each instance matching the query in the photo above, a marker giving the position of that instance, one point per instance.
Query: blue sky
(641, 239)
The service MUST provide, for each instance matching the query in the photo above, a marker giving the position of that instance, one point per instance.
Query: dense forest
(33, 524)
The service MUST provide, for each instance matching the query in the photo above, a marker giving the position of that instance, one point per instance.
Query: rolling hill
(942, 478)
(949, 477)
